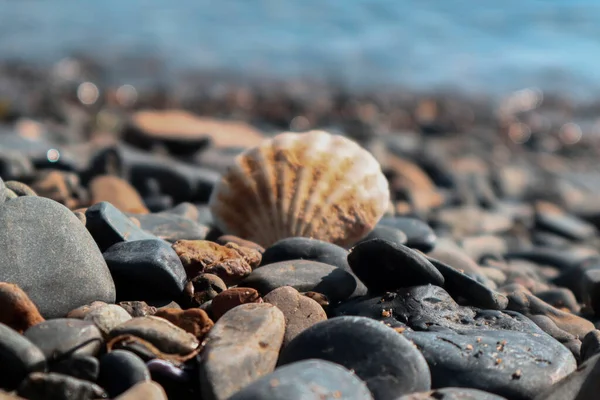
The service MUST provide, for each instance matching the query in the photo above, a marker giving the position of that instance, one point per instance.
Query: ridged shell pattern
(311, 184)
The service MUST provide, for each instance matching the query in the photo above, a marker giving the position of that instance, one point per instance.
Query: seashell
(311, 184)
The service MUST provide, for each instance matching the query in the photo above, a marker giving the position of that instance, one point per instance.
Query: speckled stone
(51, 256)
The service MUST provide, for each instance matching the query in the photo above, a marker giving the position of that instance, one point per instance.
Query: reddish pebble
(194, 320)
(16, 308)
(231, 298)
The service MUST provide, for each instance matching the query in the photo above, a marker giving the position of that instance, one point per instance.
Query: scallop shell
(311, 184)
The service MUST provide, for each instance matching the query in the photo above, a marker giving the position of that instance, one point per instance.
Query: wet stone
(233, 297)
(64, 337)
(107, 317)
(452, 394)
(385, 266)
(300, 312)
(386, 361)
(336, 283)
(193, 320)
(16, 308)
(501, 352)
(419, 235)
(145, 270)
(206, 287)
(18, 357)
(53, 386)
(171, 227)
(109, 226)
(161, 333)
(242, 347)
(144, 391)
(120, 370)
(86, 368)
(230, 262)
(56, 261)
(307, 380)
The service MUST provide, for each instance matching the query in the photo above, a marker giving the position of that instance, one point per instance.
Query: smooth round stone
(145, 270)
(386, 361)
(144, 391)
(120, 370)
(109, 226)
(171, 227)
(57, 386)
(583, 384)
(452, 394)
(307, 380)
(388, 233)
(384, 266)
(78, 366)
(419, 235)
(590, 345)
(107, 317)
(242, 347)
(462, 286)
(501, 352)
(300, 312)
(304, 276)
(63, 337)
(18, 357)
(232, 298)
(51, 256)
(161, 333)
(302, 248)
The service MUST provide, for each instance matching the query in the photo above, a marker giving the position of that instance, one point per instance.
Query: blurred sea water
(481, 46)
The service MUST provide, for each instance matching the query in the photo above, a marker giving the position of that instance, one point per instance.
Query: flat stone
(419, 235)
(384, 266)
(452, 394)
(107, 317)
(51, 256)
(242, 347)
(16, 308)
(40, 386)
(18, 358)
(304, 276)
(120, 370)
(78, 366)
(230, 262)
(63, 337)
(144, 391)
(171, 227)
(386, 361)
(118, 192)
(501, 352)
(109, 226)
(462, 286)
(233, 297)
(161, 333)
(584, 383)
(145, 270)
(300, 312)
(307, 380)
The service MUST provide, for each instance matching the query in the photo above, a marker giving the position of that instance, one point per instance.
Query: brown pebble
(194, 320)
(233, 297)
(81, 312)
(138, 308)
(16, 308)
(230, 262)
(223, 240)
(319, 298)
(118, 192)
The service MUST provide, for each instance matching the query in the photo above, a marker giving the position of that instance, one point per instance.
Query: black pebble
(120, 370)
